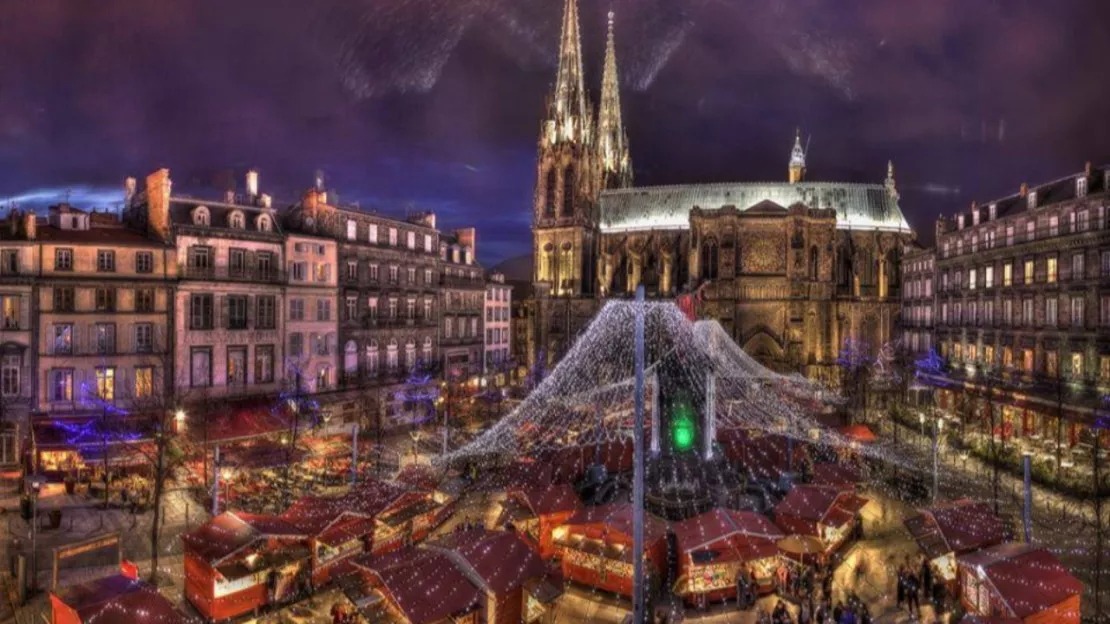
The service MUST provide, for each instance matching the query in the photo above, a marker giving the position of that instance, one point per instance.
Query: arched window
(410, 354)
(350, 357)
(372, 358)
(549, 197)
(201, 216)
(236, 220)
(813, 258)
(709, 259)
(263, 223)
(426, 351)
(391, 355)
(568, 192)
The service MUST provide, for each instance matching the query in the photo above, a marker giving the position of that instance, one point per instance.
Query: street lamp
(35, 482)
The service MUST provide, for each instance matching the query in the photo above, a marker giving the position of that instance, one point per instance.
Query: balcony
(225, 273)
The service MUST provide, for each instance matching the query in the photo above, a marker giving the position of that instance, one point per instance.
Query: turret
(797, 159)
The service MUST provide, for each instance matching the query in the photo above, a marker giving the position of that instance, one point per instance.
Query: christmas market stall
(83, 446)
(424, 478)
(954, 528)
(596, 545)
(829, 515)
(418, 586)
(1019, 581)
(716, 549)
(237, 562)
(842, 476)
(766, 458)
(116, 599)
(535, 512)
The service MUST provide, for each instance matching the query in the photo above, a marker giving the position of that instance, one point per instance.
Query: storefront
(596, 545)
(718, 548)
(78, 447)
(1018, 581)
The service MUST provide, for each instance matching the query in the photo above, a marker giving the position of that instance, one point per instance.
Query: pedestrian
(901, 581)
(926, 578)
(939, 598)
(826, 586)
(804, 613)
(912, 599)
(781, 615)
(780, 578)
(838, 612)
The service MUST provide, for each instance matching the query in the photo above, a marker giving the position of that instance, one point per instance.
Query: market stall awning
(501, 560)
(808, 502)
(117, 599)
(1028, 579)
(618, 517)
(722, 524)
(242, 420)
(959, 526)
(229, 532)
(406, 576)
(421, 476)
(346, 530)
(858, 433)
(260, 453)
(129, 455)
(87, 433)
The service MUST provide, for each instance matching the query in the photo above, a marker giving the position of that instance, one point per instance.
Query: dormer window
(959, 222)
(1081, 186)
(264, 224)
(201, 216)
(993, 212)
(1031, 200)
(975, 217)
(237, 221)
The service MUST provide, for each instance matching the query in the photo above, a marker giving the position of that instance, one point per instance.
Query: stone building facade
(793, 269)
(19, 268)
(497, 364)
(312, 310)
(1022, 304)
(462, 296)
(918, 300)
(388, 305)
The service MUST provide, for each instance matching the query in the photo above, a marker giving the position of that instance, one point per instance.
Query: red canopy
(618, 517)
(118, 600)
(719, 524)
(1028, 579)
(551, 499)
(240, 420)
(407, 575)
(859, 433)
(959, 526)
(228, 532)
(501, 560)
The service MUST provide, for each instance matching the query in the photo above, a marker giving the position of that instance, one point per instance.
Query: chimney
(265, 200)
(13, 222)
(128, 191)
(30, 225)
(974, 205)
(1024, 189)
(468, 237)
(158, 188)
(229, 196)
(1087, 168)
(318, 183)
(252, 183)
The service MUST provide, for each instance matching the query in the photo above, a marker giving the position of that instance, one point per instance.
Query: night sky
(435, 104)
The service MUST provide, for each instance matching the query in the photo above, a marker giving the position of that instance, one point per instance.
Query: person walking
(901, 582)
(912, 599)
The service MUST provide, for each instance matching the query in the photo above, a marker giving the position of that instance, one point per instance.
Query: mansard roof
(858, 206)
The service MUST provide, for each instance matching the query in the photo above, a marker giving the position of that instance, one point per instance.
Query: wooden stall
(954, 528)
(117, 599)
(418, 586)
(535, 512)
(1018, 581)
(596, 544)
(715, 548)
(237, 562)
(830, 515)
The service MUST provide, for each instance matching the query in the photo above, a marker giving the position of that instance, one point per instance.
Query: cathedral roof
(858, 206)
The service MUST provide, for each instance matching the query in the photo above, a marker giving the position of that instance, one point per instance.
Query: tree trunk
(159, 483)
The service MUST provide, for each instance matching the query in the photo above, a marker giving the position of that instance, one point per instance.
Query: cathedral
(794, 270)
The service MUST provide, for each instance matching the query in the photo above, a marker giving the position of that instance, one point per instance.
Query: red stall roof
(500, 559)
(840, 476)
(1028, 579)
(313, 514)
(407, 575)
(703, 530)
(618, 517)
(822, 504)
(555, 498)
(346, 530)
(859, 433)
(228, 532)
(119, 600)
(241, 420)
(959, 526)
(421, 476)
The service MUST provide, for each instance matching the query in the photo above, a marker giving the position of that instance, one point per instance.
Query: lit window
(106, 383)
(144, 382)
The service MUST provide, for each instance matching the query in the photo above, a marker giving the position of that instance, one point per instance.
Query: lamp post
(938, 428)
(35, 482)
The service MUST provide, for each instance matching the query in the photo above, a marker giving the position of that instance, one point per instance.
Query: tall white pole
(216, 483)
(936, 461)
(655, 413)
(710, 428)
(354, 453)
(638, 610)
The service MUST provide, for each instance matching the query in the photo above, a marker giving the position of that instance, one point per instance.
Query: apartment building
(388, 286)
(228, 317)
(312, 309)
(918, 299)
(497, 365)
(462, 294)
(1023, 296)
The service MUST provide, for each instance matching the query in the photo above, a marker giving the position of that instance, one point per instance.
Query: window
(988, 277)
(393, 272)
(1052, 272)
(300, 271)
(237, 221)
(201, 216)
(322, 375)
(1008, 312)
(61, 384)
(960, 247)
(1104, 368)
(372, 233)
(1054, 225)
(265, 312)
(1031, 200)
(9, 307)
(63, 338)
(237, 262)
(1071, 222)
(410, 309)
(264, 265)
(1009, 236)
(296, 309)
(200, 312)
(144, 262)
(427, 309)
(1077, 365)
(1027, 312)
(200, 368)
(144, 338)
(352, 270)
(1027, 361)
(1078, 262)
(392, 237)
(322, 271)
(1084, 220)
(144, 381)
(1007, 357)
(63, 299)
(392, 308)
(988, 311)
(9, 376)
(410, 240)
(1051, 363)
(264, 364)
(372, 308)
(106, 383)
(144, 300)
(1081, 186)
(410, 275)
(971, 275)
(1028, 272)
(1104, 263)
(323, 309)
(474, 326)
(264, 224)
(1077, 311)
(373, 272)
(1051, 312)
(236, 311)
(1030, 230)
(322, 346)
(448, 327)
(427, 243)
(1104, 311)
(296, 344)
(975, 240)
(104, 337)
(427, 276)
(372, 358)
(391, 356)
(63, 259)
(105, 260)
(1008, 274)
(988, 355)
(236, 366)
(105, 299)
(200, 259)
(352, 229)
(351, 304)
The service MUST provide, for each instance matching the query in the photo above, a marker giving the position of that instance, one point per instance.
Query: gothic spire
(797, 159)
(569, 116)
(612, 142)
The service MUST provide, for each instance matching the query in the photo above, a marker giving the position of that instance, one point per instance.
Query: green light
(682, 428)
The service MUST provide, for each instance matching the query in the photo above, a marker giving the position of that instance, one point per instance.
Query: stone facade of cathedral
(794, 270)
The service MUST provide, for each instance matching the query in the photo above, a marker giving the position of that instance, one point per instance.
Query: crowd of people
(917, 584)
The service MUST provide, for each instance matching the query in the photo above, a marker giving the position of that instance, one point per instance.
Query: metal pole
(638, 615)
(446, 413)
(936, 462)
(34, 538)
(216, 483)
(354, 453)
(1027, 512)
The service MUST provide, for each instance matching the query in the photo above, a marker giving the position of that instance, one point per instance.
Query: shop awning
(77, 433)
(618, 517)
(120, 455)
(118, 600)
(960, 526)
(501, 560)
(858, 433)
(397, 572)
(237, 421)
